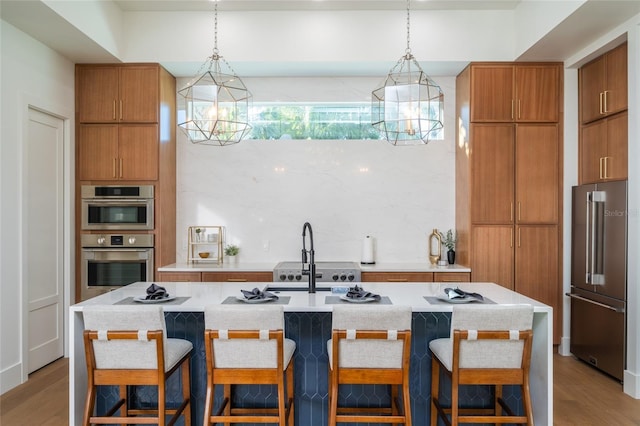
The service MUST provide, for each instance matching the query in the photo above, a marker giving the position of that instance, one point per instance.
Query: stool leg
(498, 395)
(227, 397)
(162, 396)
(124, 411)
(89, 405)
(406, 400)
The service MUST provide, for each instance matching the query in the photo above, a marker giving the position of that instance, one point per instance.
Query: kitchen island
(308, 322)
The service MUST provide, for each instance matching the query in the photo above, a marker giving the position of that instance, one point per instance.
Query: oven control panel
(116, 240)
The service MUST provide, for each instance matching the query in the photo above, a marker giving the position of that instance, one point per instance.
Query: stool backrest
(244, 353)
(125, 354)
(371, 353)
(492, 353)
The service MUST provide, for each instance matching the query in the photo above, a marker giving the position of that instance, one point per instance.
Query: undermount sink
(277, 288)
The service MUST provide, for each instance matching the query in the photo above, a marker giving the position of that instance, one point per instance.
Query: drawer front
(179, 276)
(399, 277)
(240, 277)
(452, 277)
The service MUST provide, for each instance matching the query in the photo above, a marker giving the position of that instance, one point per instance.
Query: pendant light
(409, 105)
(215, 109)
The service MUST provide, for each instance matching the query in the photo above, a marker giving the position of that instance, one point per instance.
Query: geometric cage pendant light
(408, 107)
(215, 107)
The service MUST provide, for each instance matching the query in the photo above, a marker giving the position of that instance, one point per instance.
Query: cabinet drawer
(179, 276)
(451, 277)
(237, 276)
(399, 277)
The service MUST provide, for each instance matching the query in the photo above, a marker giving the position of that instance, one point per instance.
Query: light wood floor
(582, 396)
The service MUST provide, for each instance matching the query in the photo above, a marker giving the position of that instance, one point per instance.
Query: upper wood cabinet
(117, 94)
(117, 152)
(603, 149)
(514, 93)
(603, 85)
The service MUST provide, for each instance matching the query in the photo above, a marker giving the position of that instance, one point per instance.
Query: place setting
(457, 296)
(256, 296)
(154, 294)
(357, 295)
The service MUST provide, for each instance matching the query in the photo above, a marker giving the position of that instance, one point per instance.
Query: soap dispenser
(435, 246)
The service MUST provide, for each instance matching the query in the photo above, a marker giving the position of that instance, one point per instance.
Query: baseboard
(631, 385)
(10, 378)
(563, 348)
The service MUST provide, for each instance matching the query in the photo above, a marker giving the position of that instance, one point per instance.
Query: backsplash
(264, 191)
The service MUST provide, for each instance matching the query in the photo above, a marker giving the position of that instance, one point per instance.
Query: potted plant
(449, 240)
(231, 251)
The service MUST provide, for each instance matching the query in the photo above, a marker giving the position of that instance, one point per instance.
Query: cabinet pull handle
(606, 167)
(512, 109)
(397, 280)
(519, 210)
(121, 167)
(601, 107)
(511, 239)
(449, 280)
(601, 176)
(114, 110)
(519, 236)
(605, 102)
(114, 167)
(120, 109)
(519, 109)
(237, 280)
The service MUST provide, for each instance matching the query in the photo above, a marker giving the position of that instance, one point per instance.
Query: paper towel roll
(367, 251)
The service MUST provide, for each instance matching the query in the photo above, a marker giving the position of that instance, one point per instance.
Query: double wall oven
(117, 243)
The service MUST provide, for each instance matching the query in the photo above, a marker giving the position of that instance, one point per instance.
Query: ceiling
(572, 25)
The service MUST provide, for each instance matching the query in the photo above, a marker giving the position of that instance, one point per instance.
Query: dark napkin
(358, 292)
(455, 293)
(155, 292)
(257, 294)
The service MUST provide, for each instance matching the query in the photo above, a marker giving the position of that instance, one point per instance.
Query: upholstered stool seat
(489, 345)
(370, 345)
(125, 346)
(245, 345)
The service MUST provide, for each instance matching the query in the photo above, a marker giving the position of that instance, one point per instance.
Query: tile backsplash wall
(262, 192)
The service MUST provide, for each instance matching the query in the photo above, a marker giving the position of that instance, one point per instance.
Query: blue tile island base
(310, 331)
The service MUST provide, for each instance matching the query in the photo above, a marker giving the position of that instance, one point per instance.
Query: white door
(43, 256)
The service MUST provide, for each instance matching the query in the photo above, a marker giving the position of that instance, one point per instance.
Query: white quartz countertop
(268, 266)
(412, 294)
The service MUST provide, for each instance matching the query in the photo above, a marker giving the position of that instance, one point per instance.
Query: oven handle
(116, 201)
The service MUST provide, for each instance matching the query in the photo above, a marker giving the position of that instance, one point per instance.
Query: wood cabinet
(179, 276)
(118, 152)
(451, 277)
(519, 93)
(261, 276)
(508, 176)
(113, 94)
(399, 277)
(603, 85)
(603, 149)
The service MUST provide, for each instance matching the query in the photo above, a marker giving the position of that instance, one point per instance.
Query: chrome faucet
(311, 272)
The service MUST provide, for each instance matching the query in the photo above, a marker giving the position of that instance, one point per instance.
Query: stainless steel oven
(117, 207)
(112, 261)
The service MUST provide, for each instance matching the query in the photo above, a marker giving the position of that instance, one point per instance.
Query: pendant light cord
(408, 50)
(215, 30)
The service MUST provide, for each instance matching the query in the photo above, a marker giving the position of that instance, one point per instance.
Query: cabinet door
(592, 77)
(97, 94)
(537, 173)
(451, 277)
(492, 169)
(138, 95)
(97, 152)
(492, 93)
(397, 277)
(178, 276)
(138, 152)
(537, 267)
(240, 277)
(615, 97)
(616, 162)
(537, 93)
(492, 255)
(593, 150)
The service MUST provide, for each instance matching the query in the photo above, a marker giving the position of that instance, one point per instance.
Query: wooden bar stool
(125, 346)
(245, 345)
(370, 345)
(490, 345)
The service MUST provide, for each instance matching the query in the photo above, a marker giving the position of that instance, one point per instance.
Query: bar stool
(125, 346)
(246, 345)
(370, 345)
(490, 345)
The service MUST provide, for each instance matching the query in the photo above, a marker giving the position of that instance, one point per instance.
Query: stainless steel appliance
(599, 275)
(112, 261)
(117, 207)
(327, 274)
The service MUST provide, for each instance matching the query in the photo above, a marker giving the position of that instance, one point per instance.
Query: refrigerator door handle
(602, 305)
(587, 250)
(598, 200)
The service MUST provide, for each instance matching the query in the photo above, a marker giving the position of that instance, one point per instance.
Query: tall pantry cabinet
(508, 177)
(125, 135)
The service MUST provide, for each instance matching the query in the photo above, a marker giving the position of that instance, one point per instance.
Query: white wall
(31, 74)
(264, 191)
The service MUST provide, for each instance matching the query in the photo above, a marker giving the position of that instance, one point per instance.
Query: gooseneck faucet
(311, 272)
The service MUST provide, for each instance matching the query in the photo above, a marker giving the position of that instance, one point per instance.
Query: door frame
(65, 114)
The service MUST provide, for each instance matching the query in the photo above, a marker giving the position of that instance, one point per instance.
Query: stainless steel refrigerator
(599, 275)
